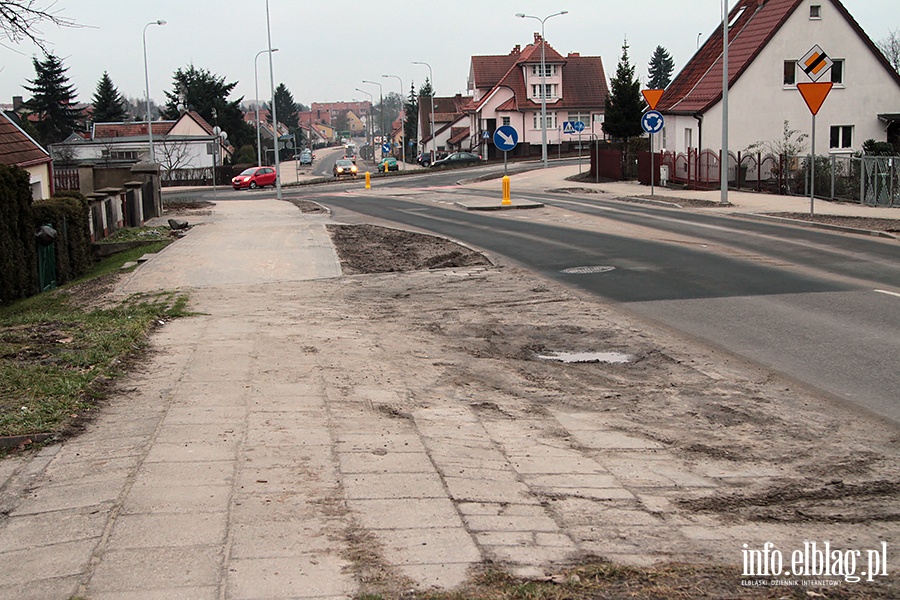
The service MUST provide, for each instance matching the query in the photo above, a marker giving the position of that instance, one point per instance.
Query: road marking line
(888, 293)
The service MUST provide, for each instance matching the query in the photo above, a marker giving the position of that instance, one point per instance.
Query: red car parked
(254, 177)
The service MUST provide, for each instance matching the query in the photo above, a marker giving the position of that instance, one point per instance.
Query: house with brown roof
(507, 90)
(180, 144)
(17, 148)
(767, 39)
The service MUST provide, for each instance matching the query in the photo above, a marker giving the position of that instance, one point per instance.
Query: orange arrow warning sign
(814, 94)
(652, 97)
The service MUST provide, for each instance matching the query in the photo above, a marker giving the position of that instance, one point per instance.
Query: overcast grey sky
(326, 49)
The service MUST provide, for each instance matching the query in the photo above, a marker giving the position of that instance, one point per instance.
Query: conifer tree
(660, 69)
(624, 104)
(412, 114)
(109, 105)
(53, 101)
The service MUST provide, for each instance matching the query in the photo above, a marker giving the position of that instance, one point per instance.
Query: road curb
(810, 224)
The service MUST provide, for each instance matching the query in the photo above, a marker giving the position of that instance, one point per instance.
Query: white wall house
(767, 38)
(17, 148)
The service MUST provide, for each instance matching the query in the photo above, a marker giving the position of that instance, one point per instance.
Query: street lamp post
(402, 122)
(723, 170)
(433, 136)
(543, 78)
(147, 84)
(256, 84)
(381, 99)
(369, 141)
(274, 111)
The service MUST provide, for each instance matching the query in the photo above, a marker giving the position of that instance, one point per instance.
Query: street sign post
(815, 64)
(652, 122)
(505, 139)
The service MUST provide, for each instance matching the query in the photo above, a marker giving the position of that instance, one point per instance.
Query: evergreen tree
(109, 105)
(285, 108)
(207, 94)
(412, 114)
(426, 91)
(660, 69)
(624, 104)
(52, 101)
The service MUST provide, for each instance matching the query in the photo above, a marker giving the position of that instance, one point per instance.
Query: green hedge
(68, 213)
(18, 258)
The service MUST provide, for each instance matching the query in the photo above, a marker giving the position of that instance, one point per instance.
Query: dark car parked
(457, 159)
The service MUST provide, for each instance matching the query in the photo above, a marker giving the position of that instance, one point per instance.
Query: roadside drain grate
(583, 270)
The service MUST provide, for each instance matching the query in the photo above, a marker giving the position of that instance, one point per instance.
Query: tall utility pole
(433, 137)
(147, 84)
(274, 112)
(402, 121)
(723, 173)
(369, 123)
(543, 80)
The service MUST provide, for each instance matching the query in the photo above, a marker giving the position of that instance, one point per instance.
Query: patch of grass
(112, 264)
(58, 352)
(603, 580)
(138, 234)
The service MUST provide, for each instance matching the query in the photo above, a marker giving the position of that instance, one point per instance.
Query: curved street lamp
(402, 122)
(433, 136)
(543, 76)
(381, 110)
(274, 111)
(147, 84)
(256, 84)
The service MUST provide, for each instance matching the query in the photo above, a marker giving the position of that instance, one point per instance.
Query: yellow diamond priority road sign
(815, 63)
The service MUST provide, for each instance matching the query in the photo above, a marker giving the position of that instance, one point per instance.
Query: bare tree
(172, 155)
(890, 47)
(19, 20)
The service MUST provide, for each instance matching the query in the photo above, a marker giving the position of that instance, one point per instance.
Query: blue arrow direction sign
(386, 148)
(506, 138)
(652, 121)
(579, 126)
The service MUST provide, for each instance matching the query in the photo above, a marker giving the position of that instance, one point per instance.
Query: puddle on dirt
(587, 357)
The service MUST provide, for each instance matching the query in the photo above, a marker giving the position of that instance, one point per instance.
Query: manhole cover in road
(583, 270)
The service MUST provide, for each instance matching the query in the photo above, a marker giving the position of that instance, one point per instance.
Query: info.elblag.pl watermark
(815, 564)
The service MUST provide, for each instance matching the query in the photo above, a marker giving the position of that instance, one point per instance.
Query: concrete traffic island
(492, 204)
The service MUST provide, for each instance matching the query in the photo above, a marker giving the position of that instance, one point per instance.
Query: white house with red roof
(767, 39)
(506, 90)
(180, 144)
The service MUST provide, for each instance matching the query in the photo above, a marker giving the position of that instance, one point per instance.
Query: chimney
(516, 51)
(17, 103)
(537, 38)
(574, 54)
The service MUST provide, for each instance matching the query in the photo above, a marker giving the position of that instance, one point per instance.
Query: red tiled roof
(17, 148)
(532, 52)
(458, 134)
(116, 130)
(699, 84)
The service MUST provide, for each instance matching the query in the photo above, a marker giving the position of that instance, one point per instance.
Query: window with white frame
(549, 70)
(505, 121)
(688, 138)
(815, 11)
(790, 72)
(584, 117)
(549, 91)
(551, 120)
(837, 71)
(841, 137)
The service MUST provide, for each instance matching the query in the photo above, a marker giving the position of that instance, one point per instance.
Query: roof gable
(17, 147)
(698, 86)
(137, 129)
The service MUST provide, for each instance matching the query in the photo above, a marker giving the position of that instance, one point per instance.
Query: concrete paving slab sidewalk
(299, 432)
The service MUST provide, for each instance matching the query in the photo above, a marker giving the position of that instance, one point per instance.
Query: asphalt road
(805, 303)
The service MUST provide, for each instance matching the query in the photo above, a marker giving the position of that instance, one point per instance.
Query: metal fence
(871, 180)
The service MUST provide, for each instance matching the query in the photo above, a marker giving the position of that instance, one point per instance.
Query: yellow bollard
(368, 181)
(506, 200)
(385, 168)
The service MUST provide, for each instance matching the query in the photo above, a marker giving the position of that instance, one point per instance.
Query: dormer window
(549, 70)
(736, 16)
(815, 11)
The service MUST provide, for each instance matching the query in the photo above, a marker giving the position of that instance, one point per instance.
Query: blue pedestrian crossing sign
(652, 122)
(506, 138)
